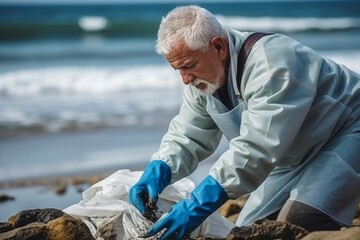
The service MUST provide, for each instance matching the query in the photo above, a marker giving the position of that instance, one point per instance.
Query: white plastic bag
(106, 211)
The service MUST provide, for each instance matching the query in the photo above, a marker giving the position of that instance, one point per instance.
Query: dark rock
(231, 210)
(352, 233)
(356, 221)
(47, 224)
(34, 215)
(232, 207)
(61, 189)
(5, 198)
(68, 227)
(266, 230)
(33, 231)
(4, 227)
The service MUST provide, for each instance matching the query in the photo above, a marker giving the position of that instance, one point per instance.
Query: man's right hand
(156, 176)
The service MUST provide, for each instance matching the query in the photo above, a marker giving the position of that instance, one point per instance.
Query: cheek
(215, 63)
(211, 69)
(217, 69)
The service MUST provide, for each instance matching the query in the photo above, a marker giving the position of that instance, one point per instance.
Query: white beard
(210, 87)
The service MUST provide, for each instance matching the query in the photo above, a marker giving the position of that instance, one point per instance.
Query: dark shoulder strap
(244, 52)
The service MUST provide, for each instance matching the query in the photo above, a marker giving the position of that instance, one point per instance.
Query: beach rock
(49, 224)
(352, 233)
(231, 207)
(67, 227)
(231, 210)
(31, 231)
(26, 217)
(356, 221)
(4, 227)
(267, 229)
(54, 224)
(5, 198)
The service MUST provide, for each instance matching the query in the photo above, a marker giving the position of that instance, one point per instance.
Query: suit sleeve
(192, 136)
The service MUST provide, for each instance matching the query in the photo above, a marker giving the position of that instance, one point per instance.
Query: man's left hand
(188, 214)
(179, 222)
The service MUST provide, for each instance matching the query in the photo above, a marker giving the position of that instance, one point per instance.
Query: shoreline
(45, 192)
(71, 179)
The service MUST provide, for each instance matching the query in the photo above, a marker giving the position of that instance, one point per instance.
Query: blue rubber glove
(186, 215)
(156, 177)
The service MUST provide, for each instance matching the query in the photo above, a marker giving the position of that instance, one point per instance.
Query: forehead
(181, 55)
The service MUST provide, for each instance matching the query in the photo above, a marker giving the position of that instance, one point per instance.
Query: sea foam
(92, 80)
(93, 23)
(288, 24)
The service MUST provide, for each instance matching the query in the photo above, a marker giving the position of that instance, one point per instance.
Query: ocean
(83, 91)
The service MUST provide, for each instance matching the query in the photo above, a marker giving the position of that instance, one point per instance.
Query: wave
(93, 80)
(148, 28)
(84, 98)
(18, 121)
(57, 99)
(286, 24)
(83, 26)
(93, 23)
(98, 80)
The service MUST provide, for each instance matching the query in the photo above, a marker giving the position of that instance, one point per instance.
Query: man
(293, 128)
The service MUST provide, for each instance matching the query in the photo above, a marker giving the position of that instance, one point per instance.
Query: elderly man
(291, 118)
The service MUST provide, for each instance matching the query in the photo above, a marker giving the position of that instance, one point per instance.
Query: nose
(187, 77)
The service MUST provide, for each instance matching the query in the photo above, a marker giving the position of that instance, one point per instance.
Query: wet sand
(54, 192)
(60, 191)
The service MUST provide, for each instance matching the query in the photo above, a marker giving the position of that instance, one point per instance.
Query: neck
(224, 79)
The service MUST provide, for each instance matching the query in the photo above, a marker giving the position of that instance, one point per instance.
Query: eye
(190, 66)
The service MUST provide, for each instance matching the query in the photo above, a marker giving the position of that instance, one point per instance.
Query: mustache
(209, 88)
(198, 81)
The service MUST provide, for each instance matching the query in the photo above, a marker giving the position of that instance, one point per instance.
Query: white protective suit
(295, 134)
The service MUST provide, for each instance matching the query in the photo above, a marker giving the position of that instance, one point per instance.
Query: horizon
(75, 2)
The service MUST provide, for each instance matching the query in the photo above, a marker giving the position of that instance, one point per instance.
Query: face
(202, 69)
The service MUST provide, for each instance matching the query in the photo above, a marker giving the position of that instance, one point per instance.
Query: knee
(305, 216)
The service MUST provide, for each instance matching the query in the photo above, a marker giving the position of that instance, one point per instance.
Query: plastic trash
(106, 211)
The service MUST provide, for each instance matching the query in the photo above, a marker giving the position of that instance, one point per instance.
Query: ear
(220, 45)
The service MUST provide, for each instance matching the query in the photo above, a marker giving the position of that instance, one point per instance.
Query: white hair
(192, 24)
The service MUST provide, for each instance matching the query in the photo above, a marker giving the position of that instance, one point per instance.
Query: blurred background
(82, 90)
